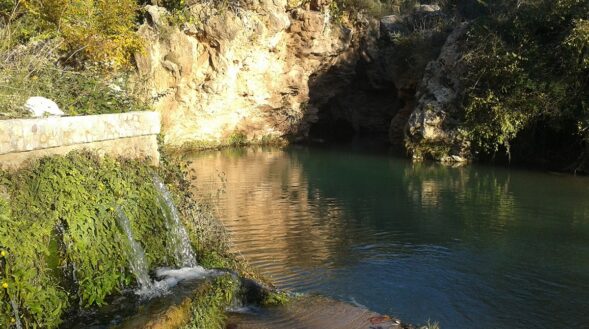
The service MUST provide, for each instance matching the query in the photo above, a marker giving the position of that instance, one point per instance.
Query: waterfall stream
(16, 313)
(178, 241)
(177, 235)
(136, 254)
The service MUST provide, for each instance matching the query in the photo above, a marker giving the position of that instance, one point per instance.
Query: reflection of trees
(264, 204)
(470, 198)
(312, 210)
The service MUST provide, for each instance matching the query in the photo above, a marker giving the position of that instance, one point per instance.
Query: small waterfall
(16, 314)
(136, 255)
(177, 235)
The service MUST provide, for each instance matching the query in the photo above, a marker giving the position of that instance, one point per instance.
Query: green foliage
(578, 42)
(90, 30)
(208, 306)
(238, 138)
(275, 298)
(526, 63)
(76, 197)
(97, 30)
(32, 71)
(69, 246)
(172, 5)
(29, 293)
(420, 45)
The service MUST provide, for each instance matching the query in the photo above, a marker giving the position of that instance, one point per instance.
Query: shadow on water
(475, 247)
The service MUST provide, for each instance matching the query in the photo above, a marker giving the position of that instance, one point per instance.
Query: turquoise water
(476, 247)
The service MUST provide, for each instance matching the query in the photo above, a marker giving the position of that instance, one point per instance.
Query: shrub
(92, 30)
(512, 82)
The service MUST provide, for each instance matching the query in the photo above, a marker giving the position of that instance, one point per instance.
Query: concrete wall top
(22, 135)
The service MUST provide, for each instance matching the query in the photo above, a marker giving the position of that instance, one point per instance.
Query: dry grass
(34, 69)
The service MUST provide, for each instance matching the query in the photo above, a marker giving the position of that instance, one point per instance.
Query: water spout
(16, 314)
(136, 255)
(177, 235)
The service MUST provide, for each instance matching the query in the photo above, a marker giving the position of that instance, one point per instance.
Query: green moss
(69, 249)
(274, 298)
(209, 303)
(234, 140)
(428, 150)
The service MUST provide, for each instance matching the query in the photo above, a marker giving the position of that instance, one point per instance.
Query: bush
(92, 30)
(512, 82)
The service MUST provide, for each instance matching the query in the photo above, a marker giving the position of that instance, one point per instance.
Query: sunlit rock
(432, 129)
(41, 106)
(245, 71)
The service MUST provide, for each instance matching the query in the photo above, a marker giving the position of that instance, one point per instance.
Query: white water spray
(177, 235)
(136, 254)
(179, 243)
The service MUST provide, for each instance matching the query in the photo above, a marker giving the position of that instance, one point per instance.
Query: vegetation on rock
(73, 52)
(208, 308)
(527, 68)
(521, 85)
(69, 249)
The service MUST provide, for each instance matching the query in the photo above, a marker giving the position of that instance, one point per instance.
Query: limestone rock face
(406, 45)
(239, 70)
(434, 123)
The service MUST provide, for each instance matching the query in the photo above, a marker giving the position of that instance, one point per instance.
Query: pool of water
(475, 247)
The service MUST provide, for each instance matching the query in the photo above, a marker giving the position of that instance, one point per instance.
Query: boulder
(428, 8)
(40, 106)
(435, 120)
(392, 24)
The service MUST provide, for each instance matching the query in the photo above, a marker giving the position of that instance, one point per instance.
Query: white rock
(428, 8)
(40, 106)
(115, 88)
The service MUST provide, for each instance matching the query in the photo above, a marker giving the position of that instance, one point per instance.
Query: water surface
(476, 247)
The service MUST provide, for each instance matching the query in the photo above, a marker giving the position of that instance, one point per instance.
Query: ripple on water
(473, 248)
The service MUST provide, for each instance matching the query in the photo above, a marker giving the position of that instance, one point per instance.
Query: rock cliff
(243, 71)
(265, 71)
(433, 127)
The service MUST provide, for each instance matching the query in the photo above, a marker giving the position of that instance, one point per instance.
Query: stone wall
(132, 135)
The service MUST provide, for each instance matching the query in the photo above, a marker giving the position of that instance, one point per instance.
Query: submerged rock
(313, 312)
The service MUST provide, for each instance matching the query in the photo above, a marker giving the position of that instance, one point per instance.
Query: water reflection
(471, 247)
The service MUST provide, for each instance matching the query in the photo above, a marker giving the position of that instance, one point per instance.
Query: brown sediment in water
(314, 313)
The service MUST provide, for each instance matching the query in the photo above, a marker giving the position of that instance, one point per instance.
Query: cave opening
(362, 108)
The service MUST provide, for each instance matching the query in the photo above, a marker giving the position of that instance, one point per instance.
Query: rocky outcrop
(381, 94)
(239, 70)
(264, 71)
(433, 127)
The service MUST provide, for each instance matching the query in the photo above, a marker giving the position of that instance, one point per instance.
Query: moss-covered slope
(60, 242)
